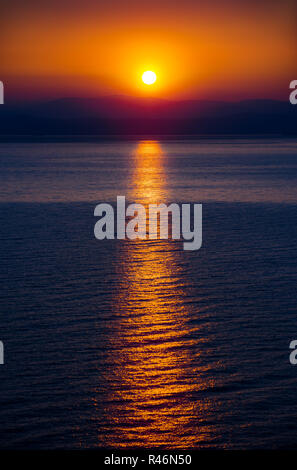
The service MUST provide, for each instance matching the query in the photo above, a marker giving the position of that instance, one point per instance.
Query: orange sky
(204, 49)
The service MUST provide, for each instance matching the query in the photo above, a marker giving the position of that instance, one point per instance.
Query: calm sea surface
(138, 343)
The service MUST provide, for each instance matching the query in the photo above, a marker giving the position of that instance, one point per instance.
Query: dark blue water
(141, 344)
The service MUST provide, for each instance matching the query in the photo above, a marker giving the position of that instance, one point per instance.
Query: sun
(149, 77)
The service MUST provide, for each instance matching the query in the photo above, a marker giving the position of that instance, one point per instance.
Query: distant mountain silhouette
(124, 115)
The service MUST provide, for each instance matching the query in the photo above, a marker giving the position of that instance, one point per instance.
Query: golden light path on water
(153, 375)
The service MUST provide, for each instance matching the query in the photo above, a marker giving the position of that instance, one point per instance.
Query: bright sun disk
(149, 77)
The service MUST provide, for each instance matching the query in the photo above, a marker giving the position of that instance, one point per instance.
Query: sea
(138, 343)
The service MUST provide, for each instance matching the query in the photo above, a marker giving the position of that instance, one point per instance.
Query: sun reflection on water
(152, 377)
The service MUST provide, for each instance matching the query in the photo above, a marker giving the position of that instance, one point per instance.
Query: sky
(199, 49)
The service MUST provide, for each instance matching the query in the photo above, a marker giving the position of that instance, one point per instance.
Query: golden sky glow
(200, 49)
